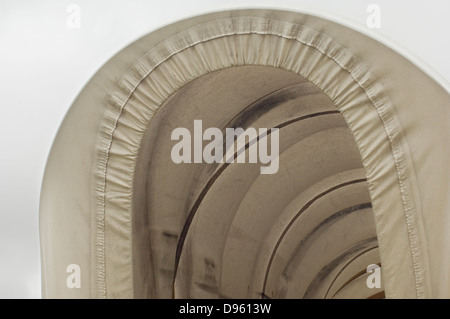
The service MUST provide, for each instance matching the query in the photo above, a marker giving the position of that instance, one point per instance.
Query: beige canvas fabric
(363, 179)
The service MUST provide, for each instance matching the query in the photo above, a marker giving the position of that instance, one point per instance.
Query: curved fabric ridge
(358, 76)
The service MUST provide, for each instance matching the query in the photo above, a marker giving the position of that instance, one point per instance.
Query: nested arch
(351, 154)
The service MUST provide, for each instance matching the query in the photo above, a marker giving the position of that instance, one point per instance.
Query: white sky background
(44, 64)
